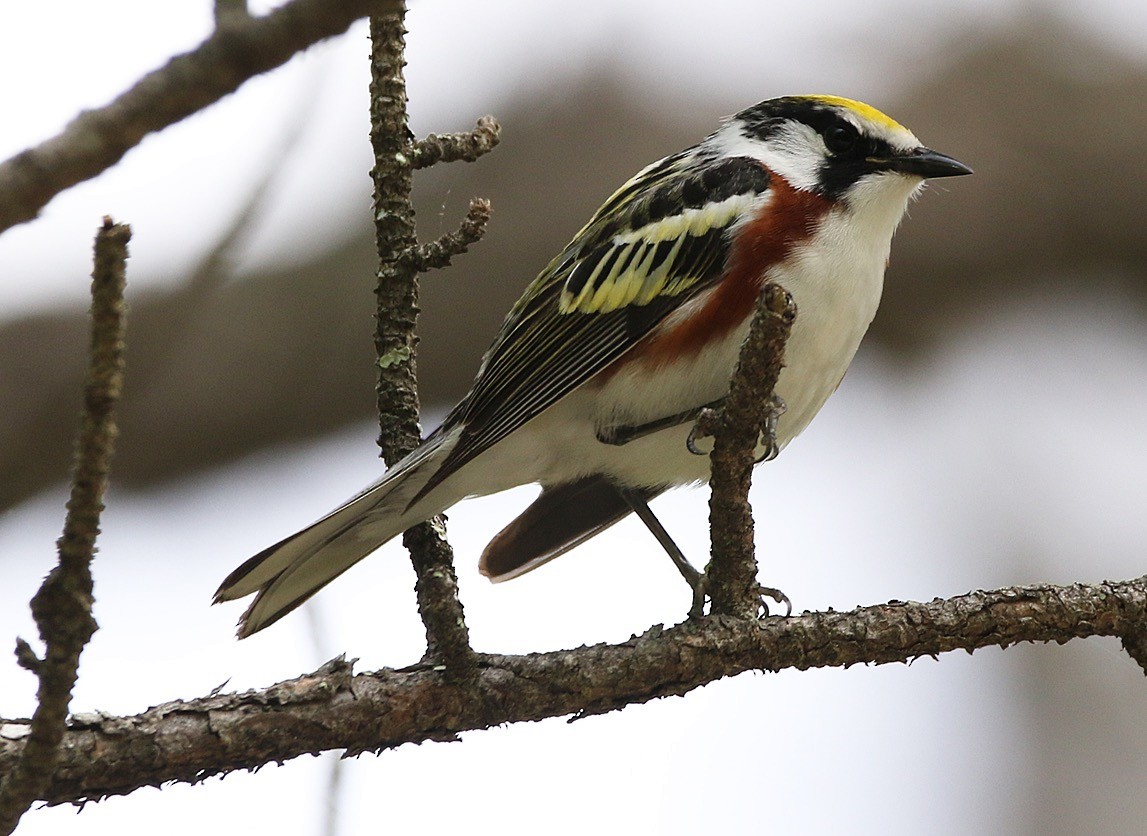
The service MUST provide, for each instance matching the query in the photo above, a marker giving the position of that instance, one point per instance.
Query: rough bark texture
(399, 255)
(97, 139)
(1135, 643)
(433, 149)
(438, 254)
(62, 608)
(334, 709)
(731, 579)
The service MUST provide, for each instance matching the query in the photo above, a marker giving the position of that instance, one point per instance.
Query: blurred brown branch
(97, 139)
(63, 606)
(231, 12)
(333, 709)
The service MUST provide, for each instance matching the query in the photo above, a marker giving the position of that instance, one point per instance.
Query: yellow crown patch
(865, 111)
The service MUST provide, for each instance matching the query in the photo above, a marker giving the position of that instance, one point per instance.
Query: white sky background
(1017, 458)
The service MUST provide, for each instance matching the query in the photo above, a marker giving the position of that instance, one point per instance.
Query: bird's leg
(695, 579)
(622, 434)
(704, 420)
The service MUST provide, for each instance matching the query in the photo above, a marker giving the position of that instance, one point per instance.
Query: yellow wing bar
(663, 258)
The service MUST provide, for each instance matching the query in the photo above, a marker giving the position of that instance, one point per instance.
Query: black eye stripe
(764, 120)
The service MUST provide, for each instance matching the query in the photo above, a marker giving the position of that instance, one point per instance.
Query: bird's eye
(841, 139)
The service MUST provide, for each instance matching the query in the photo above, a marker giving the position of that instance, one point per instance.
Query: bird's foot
(708, 419)
(700, 586)
(704, 425)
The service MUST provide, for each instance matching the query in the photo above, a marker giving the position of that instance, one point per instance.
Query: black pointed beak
(923, 162)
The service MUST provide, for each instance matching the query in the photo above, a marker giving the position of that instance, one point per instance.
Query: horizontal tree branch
(334, 709)
(97, 139)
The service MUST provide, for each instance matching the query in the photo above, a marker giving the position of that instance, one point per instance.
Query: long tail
(288, 573)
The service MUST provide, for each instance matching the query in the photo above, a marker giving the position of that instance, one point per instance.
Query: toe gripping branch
(708, 420)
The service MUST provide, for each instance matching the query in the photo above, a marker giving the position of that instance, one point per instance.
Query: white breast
(836, 280)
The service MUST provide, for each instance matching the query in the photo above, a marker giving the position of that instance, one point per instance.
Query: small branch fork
(438, 254)
(63, 606)
(401, 258)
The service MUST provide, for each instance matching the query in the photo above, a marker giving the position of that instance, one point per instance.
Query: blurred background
(990, 431)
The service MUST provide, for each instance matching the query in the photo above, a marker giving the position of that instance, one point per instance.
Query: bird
(592, 385)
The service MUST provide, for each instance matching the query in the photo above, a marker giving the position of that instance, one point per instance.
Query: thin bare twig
(97, 139)
(333, 709)
(467, 147)
(436, 255)
(731, 579)
(63, 606)
(436, 587)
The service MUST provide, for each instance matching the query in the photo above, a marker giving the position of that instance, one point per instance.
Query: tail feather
(562, 517)
(286, 574)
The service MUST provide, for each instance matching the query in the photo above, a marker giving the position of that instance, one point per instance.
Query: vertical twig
(63, 606)
(731, 578)
(398, 251)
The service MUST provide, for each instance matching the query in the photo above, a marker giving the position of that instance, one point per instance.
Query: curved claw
(702, 427)
(768, 436)
(776, 595)
(771, 451)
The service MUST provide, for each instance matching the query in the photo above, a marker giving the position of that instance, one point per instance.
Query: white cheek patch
(794, 151)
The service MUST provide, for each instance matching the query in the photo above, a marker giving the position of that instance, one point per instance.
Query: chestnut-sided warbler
(593, 383)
